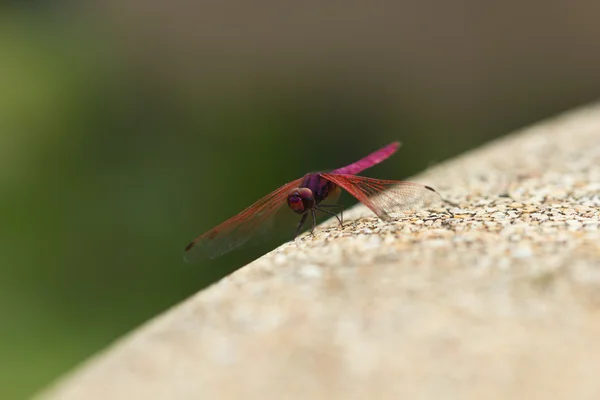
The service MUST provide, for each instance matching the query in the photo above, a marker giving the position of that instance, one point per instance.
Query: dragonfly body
(313, 189)
(311, 192)
(306, 195)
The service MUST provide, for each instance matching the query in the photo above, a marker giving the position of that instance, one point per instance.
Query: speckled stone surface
(494, 297)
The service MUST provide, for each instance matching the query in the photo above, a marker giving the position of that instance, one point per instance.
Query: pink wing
(368, 161)
(385, 197)
(237, 230)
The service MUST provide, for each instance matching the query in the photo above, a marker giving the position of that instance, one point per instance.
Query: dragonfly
(305, 196)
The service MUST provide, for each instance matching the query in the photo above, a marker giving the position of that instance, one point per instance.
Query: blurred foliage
(109, 167)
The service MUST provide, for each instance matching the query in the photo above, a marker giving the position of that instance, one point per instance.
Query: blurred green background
(128, 127)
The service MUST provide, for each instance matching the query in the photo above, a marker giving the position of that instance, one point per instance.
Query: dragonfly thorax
(300, 200)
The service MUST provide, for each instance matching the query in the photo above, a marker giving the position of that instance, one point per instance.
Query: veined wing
(238, 229)
(367, 162)
(385, 197)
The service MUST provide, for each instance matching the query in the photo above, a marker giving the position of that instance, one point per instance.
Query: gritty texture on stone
(494, 297)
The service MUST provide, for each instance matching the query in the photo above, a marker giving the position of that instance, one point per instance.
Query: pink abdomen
(368, 161)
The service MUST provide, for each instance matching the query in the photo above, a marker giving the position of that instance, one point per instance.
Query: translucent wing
(384, 197)
(238, 229)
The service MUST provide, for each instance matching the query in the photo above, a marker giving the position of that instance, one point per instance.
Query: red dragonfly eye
(301, 200)
(295, 202)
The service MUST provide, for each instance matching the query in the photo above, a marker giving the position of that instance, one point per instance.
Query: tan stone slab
(498, 299)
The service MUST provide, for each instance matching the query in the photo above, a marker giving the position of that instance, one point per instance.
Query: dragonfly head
(300, 200)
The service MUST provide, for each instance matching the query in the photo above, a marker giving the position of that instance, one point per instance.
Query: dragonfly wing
(237, 230)
(385, 197)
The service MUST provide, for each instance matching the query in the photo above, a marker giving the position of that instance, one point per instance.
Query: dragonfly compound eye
(295, 202)
(301, 200)
(307, 197)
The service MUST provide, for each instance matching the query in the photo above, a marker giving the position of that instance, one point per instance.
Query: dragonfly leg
(341, 221)
(300, 224)
(314, 217)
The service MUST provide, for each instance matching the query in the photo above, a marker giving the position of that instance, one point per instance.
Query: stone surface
(495, 297)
